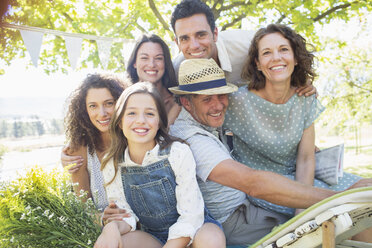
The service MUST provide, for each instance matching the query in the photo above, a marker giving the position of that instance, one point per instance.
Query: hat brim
(228, 88)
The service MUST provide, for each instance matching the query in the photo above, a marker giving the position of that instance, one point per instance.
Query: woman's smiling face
(100, 106)
(150, 62)
(275, 58)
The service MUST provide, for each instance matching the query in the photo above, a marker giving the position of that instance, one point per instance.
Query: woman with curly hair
(87, 131)
(151, 61)
(273, 127)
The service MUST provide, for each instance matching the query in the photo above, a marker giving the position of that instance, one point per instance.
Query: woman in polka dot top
(273, 127)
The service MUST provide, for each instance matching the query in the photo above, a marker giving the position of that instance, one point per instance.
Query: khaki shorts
(249, 223)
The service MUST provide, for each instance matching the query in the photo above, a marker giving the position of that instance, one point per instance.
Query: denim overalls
(150, 192)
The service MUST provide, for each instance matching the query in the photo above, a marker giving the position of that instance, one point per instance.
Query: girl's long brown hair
(118, 141)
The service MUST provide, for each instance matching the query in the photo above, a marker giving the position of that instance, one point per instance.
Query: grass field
(355, 161)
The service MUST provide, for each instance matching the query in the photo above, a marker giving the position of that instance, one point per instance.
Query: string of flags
(33, 36)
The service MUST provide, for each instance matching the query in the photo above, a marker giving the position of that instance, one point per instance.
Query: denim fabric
(150, 191)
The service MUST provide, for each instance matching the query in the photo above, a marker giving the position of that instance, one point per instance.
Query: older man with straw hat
(224, 182)
(204, 77)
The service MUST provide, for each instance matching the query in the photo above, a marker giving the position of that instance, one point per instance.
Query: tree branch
(71, 21)
(331, 10)
(352, 84)
(216, 12)
(233, 5)
(158, 15)
(143, 30)
(232, 23)
(216, 3)
(283, 16)
(336, 99)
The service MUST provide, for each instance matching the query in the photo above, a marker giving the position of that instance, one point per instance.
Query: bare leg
(365, 236)
(139, 239)
(209, 236)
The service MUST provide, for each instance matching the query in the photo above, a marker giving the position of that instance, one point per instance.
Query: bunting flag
(104, 50)
(33, 36)
(73, 46)
(128, 49)
(32, 42)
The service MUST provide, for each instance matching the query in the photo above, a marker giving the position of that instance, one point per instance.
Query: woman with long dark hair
(151, 61)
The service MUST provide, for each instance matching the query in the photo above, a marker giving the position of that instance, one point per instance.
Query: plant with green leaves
(3, 150)
(40, 210)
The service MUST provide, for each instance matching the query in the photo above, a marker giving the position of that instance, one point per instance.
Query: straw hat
(203, 77)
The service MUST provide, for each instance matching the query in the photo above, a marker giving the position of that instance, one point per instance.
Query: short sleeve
(313, 108)
(208, 153)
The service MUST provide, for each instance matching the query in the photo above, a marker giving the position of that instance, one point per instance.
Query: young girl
(152, 176)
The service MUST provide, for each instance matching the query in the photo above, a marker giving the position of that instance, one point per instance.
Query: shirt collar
(186, 116)
(150, 156)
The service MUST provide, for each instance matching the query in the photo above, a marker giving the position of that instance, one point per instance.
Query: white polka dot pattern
(266, 135)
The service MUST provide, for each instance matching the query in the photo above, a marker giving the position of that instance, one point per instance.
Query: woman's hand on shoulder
(307, 90)
(69, 161)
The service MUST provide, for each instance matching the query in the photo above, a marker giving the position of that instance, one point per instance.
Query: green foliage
(29, 127)
(56, 126)
(18, 129)
(347, 81)
(40, 210)
(113, 18)
(102, 18)
(3, 150)
(363, 171)
(4, 129)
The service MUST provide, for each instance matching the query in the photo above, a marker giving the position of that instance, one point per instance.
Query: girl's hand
(110, 237)
(112, 212)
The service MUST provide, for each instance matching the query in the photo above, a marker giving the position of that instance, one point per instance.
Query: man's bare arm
(267, 185)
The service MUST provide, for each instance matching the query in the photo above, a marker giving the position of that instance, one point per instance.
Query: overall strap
(165, 151)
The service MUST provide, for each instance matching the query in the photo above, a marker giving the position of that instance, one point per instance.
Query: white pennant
(32, 42)
(128, 48)
(73, 47)
(104, 47)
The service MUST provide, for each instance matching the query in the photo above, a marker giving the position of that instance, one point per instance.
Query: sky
(35, 82)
